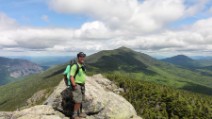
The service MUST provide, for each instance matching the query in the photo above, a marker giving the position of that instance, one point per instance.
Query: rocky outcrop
(102, 102)
(5, 115)
(36, 112)
(38, 97)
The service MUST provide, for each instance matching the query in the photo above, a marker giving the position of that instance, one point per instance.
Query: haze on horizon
(64, 27)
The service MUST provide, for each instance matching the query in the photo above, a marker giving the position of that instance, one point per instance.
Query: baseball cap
(81, 54)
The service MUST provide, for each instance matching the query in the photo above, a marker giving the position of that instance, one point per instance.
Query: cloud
(131, 15)
(95, 36)
(54, 39)
(45, 18)
(138, 25)
(210, 10)
(6, 22)
(196, 7)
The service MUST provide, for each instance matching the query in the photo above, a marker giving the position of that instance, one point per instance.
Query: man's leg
(82, 114)
(77, 97)
(76, 109)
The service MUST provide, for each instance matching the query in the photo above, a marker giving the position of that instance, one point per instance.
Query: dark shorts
(79, 94)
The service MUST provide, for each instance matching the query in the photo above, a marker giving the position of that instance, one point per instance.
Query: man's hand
(73, 83)
(74, 87)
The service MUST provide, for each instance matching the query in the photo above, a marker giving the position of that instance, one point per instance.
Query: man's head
(81, 57)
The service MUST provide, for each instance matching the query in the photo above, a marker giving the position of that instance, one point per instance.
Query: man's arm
(72, 81)
(72, 73)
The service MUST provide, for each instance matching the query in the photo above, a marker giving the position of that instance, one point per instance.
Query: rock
(5, 115)
(37, 97)
(38, 112)
(101, 102)
(119, 90)
(55, 99)
(107, 84)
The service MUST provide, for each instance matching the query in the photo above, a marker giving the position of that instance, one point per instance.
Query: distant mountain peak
(124, 48)
(182, 60)
(181, 55)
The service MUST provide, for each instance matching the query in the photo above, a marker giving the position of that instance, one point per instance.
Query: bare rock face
(36, 112)
(105, 103)
(101, 103)
(37, 97)
(107, 84)
(5, 115)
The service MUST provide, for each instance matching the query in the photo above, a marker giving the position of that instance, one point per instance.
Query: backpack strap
(78, 68)
(77, 71)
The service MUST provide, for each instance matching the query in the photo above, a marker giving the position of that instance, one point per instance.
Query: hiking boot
(83, 115)
(75, 116)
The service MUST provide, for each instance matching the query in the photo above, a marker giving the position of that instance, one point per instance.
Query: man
(78, 76)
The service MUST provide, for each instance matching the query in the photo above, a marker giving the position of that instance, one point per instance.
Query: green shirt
(80, 77)
(67, 72)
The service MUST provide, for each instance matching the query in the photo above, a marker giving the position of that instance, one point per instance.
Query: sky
(64, 27)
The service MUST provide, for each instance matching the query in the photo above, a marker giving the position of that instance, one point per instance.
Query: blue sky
(190, 20)
(149, 26)
(29, 12)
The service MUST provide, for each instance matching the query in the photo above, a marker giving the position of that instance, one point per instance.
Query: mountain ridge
(12, 69)
(127, 60)
(182, 60)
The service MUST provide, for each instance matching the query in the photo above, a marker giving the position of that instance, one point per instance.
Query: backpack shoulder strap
(77, 71)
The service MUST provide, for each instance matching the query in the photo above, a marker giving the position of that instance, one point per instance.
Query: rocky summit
(102, 102)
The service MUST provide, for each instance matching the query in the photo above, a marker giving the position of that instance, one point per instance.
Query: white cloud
(138, 25)
(6, 22)
(45, 18)
(94, 36)
(210, 10)
(198, 6)
(148, 16)
(55, 39)
(93, 30)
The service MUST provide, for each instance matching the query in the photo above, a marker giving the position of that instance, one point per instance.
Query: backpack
(77, 71)
(67, 102)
